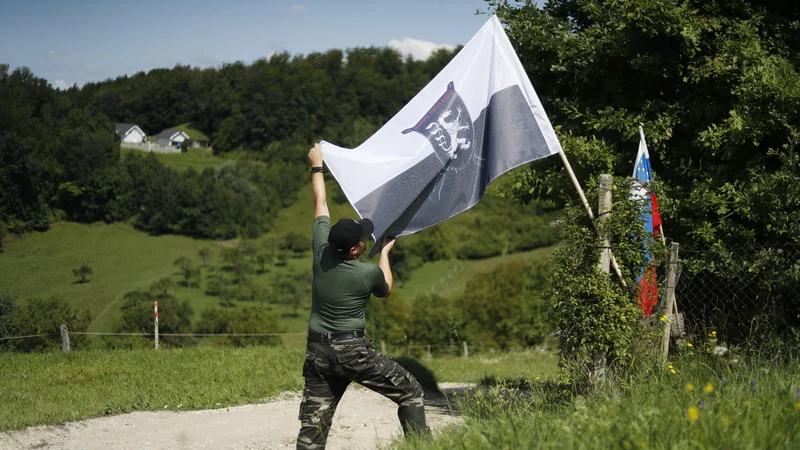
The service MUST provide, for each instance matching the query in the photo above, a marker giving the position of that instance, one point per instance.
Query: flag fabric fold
(642, 173)
(477, 119)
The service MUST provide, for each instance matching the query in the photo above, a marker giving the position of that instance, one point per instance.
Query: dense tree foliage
(59, 157)
(40, 317)
(716, 86)
(272, 103)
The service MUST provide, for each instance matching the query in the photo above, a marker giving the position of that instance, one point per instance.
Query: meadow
(124, 259)
(706, 403)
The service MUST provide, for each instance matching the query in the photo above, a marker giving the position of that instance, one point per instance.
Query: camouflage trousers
(328, 370)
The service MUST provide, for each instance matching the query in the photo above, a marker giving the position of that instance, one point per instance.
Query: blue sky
(79, 41)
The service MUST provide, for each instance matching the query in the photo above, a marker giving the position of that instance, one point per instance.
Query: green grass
(196, 158)
(449, 277)
(484, 367)
(659, 411)
(52, 388)
(124, 259)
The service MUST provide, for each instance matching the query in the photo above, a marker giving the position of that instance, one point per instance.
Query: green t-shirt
(340, 288)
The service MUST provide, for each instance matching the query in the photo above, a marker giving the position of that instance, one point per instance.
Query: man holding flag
(477, 119)
(337, 352)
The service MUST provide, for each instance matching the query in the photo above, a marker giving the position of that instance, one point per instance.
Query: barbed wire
(8, 338)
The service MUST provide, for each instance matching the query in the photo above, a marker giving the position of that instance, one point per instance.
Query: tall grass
(705, 404)
(54, 387)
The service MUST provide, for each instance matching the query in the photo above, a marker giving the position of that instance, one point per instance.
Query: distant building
(172, 138)
(130, 133)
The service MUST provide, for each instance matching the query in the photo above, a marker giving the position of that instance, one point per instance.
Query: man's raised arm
(318, 182)
(383, 263)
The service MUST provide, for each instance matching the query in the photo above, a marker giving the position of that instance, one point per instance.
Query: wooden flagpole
(589, 211)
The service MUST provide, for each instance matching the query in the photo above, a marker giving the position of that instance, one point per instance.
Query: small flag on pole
(477, 119)
(648, 287)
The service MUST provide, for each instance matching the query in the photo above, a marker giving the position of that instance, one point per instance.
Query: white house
(130, 133)
(171, 137)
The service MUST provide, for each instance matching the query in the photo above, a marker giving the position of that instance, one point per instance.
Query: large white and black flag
(477, 119)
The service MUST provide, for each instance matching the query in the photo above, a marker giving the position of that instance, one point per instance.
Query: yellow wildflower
(537, 378)
(797, 405)
(713, 333)
(690, 387)
(673, 371)
(709, 388)
(643, 444)
(689, 344)
(693, 413)
(670, 366)
(663, 318)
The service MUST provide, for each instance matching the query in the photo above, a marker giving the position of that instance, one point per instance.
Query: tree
(188, 271)
(44, 316)
(161, 287)
(8, 307)
(715, 85)
(293, 290)
(204, 253)
(82, 273)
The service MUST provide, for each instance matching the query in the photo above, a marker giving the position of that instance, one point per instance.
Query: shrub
(244, 321)
(506, 307)
(44, 316)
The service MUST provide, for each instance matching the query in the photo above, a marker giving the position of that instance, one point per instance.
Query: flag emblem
(448, 127)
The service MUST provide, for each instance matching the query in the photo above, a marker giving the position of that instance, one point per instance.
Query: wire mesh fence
(748, 294)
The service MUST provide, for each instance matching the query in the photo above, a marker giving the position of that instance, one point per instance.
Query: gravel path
(364, 420)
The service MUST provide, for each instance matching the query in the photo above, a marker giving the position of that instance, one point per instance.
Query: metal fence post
(672, 274)
(155, 313)
(64, 338)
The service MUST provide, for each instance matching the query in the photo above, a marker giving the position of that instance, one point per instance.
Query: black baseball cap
(347, 233)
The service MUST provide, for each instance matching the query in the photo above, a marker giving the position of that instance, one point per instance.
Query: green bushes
(593, 312)
(501, 309)
(40, 316)
(244, 321)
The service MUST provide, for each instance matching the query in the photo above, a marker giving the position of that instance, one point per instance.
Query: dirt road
(364, 420)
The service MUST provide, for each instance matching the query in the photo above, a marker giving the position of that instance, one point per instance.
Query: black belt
(315, 336)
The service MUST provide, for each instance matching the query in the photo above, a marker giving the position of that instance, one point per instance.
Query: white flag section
(476, 120)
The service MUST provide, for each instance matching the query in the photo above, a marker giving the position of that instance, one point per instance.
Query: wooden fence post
(466, 350)
(155, 314)
(64, 338)
(383, 347)
(597, 374)
(429, 351)
(672, 276)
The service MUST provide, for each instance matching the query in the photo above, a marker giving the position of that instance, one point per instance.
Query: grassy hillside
(196, 158)
(124, 259)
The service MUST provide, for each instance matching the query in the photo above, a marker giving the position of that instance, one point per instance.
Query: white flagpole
(589, 211)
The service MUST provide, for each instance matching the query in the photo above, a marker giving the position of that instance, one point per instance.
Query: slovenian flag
(477, 119)
(648, 287)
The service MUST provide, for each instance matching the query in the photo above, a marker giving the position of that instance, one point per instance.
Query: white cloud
(296, 9)
(417, 49)
(61, 85)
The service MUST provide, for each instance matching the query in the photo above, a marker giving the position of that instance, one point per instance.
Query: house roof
(170, 133)
(122, 128)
